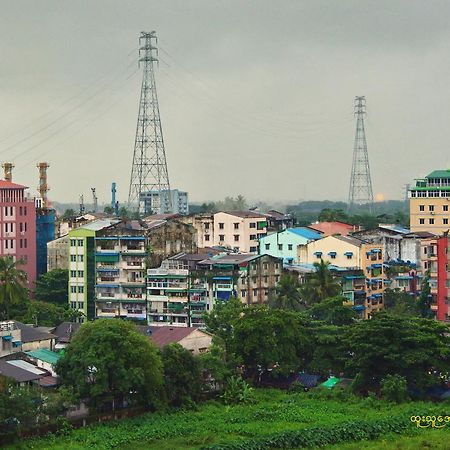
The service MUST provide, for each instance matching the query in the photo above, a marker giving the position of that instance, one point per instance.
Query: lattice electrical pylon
(149, 169)
(360, 192)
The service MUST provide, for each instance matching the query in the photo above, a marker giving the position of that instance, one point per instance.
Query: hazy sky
(255, 96)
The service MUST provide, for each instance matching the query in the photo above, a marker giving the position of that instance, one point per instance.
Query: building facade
(162, 202)
(58, 253)
(285, 244)
(239, 230)
(429, 201)
(18, 227)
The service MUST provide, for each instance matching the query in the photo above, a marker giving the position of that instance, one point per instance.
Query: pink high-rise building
(18, 227)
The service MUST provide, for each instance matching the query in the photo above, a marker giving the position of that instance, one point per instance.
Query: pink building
(18, 227)
(333, 228)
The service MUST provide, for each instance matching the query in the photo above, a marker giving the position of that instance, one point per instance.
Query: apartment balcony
(107, 249)
(126, 250)
(169, 285)
(106, 295)
(107, 267)
(133, 265)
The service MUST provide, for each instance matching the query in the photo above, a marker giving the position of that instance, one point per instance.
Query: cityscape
(275, 320)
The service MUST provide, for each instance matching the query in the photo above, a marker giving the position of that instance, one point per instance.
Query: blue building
(45, 232)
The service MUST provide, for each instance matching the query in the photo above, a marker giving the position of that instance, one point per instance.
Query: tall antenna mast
(43, 186)
(149, 168)
(94, 200)
(360, 192)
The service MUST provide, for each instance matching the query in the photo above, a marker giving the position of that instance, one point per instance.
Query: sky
(256, 97)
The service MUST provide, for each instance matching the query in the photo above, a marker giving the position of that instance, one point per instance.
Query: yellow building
(429, 202)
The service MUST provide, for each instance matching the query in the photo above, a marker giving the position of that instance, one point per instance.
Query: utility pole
(360, 192)
(94, 200)
(149, 168)
(82, 205)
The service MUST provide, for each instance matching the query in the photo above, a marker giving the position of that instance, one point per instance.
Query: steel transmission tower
(149, 169)
(360, 192)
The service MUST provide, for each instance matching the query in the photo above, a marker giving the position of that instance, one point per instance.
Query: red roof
(162, 336)
(330, 228)
(9, 185)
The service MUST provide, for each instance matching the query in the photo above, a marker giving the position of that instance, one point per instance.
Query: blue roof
(305, 232)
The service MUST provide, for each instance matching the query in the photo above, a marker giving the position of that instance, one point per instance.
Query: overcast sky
(255, 97)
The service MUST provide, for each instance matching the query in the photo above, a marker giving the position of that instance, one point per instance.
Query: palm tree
(320, 284)
(286, 295)
(12, 285)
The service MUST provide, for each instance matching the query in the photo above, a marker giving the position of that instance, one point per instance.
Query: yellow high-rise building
(429, 203)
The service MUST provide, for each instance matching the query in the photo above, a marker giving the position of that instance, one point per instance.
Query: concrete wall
(197, 342)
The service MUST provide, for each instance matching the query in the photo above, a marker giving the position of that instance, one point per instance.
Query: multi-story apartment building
(239, 230)
(82, 266)
(429, 201)
(203, 224)
(120, 276)
(162, 202)
(18, 227)
(285, 244)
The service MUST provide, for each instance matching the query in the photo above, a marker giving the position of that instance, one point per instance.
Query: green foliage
(52, 287)
(69, 214)
(48, 315)
(266, 338)
(425, 297)
(13, 291)
(238, 391)
(286, 295)
(109, 210)
(109, 360)
(182, 382)
(410, 347)
(215, 367)
(332, 311)
(400, 303)
(320, 284)
(394, 388)
(220, 321)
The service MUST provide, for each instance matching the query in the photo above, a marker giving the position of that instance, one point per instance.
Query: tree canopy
(320, 284)
(52, 287)
(109, 360)
(13, 291)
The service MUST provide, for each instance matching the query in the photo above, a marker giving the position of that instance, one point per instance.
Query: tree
(265, 339)
(220, 321)
(108, 210)
(48, 315)
(214, 366)
(332, 311)
(108, 361)
(53, 287)
(425, 297)
(12, 285)
(320, 284)
(124, 213)
(333, 215)
(68, 214)
(415, 348)
(400, 303)
(182, 375)
(287, 295)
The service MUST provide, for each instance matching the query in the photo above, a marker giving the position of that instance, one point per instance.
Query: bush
(238, 391)
(394, 389)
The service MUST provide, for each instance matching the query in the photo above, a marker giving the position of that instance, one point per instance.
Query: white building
(158, 202)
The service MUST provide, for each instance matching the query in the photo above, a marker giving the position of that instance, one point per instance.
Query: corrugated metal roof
(45, 355)
(305, 232)
(27, 366)
(97, 225)
(439, 174)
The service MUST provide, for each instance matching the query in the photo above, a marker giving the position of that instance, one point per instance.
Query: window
(80, 242)
(80, 258)
(73, 289)
(266, 279)
(221, 237)
(253, 237)
(236, 238)
(255, 292)
(252, 224)
(24, 212)
(430, 207)
(206, 237)
(80, 273)
(280, 246)
(80, 289)
(221, 225)
(277, 278)
(73, 305)
(265, 266)
(207, 226)
(421, 207)
(73, 273)
(253, 249)
(431, 221)
(421, 221)
(73, 242)
(21, 243)
(21, 227)
(236, 225)
(25, 243)
(349, 256)
(254, 280)
(424, 250)
(73, 258)
(6, 243)
(445, 221)
(20, 211)
(80, 305)
(445, 208)
(289, 246)
(25, 226)
(333, 256)
(243, 293)
(267, 246)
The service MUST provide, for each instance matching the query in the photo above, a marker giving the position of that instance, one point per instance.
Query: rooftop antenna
(82, 209)
(43, 186)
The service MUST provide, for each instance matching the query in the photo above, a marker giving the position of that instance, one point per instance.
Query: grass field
(274, 414)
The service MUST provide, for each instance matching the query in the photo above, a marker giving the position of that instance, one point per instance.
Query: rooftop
(31, 334)
(9, 185)
(246, 214)
(65, 330)
(439, 174)
(307, 233)
(162, 336)
(350, 240)
(20, 372)
(45, 355)
(97, 225)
